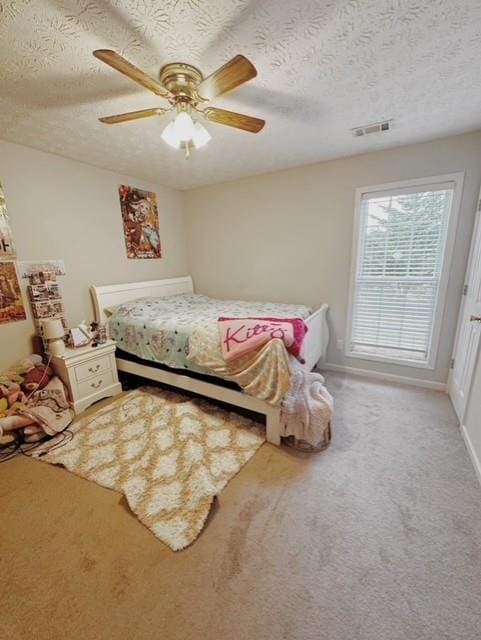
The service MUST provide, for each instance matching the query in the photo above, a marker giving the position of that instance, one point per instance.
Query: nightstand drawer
(95, 383)
(91, 368)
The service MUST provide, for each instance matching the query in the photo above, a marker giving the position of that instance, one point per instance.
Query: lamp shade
(53, 329)
(183, 126)
(169, 136)
(201, 136)
(183, 133)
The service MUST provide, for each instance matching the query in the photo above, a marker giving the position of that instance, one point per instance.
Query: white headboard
(113, 294)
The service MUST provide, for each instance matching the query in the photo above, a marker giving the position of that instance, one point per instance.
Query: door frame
(477, 224)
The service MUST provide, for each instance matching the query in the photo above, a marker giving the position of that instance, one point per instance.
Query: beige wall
(287, 236)
(64, 209)
(284, 236)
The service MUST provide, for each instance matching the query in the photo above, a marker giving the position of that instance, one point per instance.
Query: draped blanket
(50, 407)
(264, 373)
(47, 408)
(271, 374)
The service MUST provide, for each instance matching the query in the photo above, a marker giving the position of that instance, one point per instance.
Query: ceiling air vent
(375, 127)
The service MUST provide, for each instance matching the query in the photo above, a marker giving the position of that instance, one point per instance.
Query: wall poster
(12, 307)
(7, 251)
(141, 222)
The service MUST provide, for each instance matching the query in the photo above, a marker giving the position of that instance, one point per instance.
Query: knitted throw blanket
(307, 406)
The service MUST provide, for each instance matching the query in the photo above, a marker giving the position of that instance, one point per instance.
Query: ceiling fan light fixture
(175, 135)
(201, 136)
(185, 88)
(184, 127)
(170, 136)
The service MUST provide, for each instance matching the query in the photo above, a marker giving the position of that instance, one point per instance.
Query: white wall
(63, 209)
(287, 236)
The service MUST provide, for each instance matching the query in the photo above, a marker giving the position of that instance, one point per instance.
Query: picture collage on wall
(12, 307)
(44, 293)
(140, 220)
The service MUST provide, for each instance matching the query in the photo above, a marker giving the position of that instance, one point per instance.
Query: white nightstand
(89, 372)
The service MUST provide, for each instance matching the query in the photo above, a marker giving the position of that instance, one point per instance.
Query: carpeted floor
(378, 538)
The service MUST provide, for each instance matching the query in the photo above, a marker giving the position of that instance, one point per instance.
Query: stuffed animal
(33, 403)
(16, 385)
(37, 378)
(13, 398)
(10, 392)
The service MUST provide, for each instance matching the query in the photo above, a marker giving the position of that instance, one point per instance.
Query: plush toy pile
(33, 402)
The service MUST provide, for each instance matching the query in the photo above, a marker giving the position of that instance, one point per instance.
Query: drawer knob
(94, 369)
(96, 385)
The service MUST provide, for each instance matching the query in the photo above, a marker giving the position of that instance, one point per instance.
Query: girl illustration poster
(141, 222)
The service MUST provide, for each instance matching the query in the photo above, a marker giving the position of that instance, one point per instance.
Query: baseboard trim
(472, 453)
(390, 377)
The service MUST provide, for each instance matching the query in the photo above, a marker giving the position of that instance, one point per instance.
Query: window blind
(401, 245)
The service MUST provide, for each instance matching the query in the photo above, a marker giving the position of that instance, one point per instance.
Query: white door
(469, 328)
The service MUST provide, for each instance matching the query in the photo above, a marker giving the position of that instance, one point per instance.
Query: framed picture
(48, 275)
(53, 291)
(38, 293)
(77, 338)
(7, 250)
(42, 310)
(57, 308)
(140, 220)
(12, 307)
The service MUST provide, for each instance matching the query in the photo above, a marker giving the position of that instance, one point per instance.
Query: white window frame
(439, 308)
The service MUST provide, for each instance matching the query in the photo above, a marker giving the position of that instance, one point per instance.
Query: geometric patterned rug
(168, 454)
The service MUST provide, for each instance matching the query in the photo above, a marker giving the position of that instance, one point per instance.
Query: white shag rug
(169, 455)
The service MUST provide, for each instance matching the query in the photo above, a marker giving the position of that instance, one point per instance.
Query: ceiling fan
(186, 90)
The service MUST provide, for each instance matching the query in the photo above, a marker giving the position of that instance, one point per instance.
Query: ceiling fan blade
(232, 119)
(134, 73)
(228, 77)
(132, 115)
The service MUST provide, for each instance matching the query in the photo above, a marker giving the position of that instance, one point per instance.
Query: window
(403, 243)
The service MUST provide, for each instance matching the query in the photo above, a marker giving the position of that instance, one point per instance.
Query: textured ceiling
(324, 66)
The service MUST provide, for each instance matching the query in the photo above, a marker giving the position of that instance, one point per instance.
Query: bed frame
(314, 348)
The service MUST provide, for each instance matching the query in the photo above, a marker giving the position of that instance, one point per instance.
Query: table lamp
(54, 333)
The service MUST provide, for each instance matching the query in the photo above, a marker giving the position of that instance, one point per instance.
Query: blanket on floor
(50, 407)
(32, 402)
(307, 407)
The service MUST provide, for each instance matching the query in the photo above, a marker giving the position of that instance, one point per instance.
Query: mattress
(158, 329)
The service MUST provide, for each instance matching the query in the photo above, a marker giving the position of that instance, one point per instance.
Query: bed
(138, 359)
